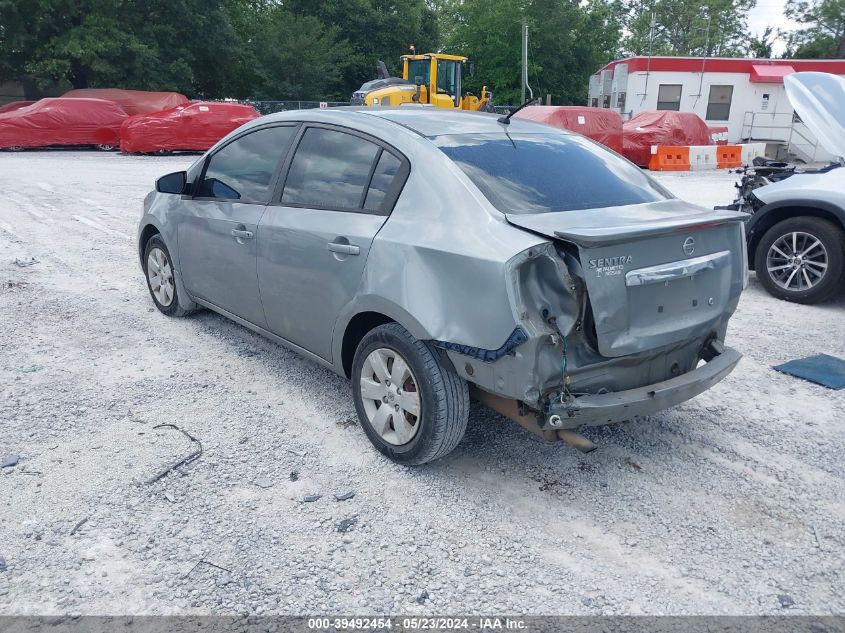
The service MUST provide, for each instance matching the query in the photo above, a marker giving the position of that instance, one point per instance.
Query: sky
(770, 13)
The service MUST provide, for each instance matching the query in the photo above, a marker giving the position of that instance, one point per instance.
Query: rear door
(313, 242)
(217, 228)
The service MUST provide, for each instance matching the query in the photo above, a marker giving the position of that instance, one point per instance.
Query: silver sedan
(431, 256)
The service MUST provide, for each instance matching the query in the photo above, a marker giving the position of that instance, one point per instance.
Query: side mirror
(418, 80)
(173, 183)
(471, 69)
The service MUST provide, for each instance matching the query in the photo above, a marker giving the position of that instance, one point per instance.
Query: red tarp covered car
(62, 121)
(15, 105)
(600, 124)
(718, 134)
(132, 101)
(194, 127)
(661, 127)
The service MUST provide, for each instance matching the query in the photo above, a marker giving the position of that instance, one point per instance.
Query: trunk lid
(656, 274)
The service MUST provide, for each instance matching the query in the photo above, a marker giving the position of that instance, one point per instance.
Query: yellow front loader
(430, 78)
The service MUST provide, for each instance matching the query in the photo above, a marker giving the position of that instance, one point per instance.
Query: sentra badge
(610, 266)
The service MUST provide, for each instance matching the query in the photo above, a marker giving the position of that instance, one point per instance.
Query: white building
(745, 95)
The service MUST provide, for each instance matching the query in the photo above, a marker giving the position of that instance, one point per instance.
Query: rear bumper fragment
(594, 410)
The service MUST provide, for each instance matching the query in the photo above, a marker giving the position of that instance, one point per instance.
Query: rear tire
(784, 273)
(435, 398)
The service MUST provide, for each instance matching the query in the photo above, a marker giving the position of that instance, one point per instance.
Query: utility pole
(525, 60)
(651, 28)
(703, 61)
(707, 39)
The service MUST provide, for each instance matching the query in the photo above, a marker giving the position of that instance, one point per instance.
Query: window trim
(363, 201)
(271, 187)
(718, 103)
(624, 99)
(680, 98)
(391, 196)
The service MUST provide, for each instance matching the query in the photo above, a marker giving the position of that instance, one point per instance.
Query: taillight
(744, 252)
(698, 227)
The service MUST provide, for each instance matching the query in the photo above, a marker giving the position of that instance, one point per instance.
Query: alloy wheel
(797, 261)
(160, 276)
(391, 397)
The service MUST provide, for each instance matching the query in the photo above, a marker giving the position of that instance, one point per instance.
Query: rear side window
(243, 170)
(543, 173)
(330, 170)
(384, 176)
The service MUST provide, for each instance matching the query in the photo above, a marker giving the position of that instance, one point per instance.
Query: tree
(761, 47)
(824, 33)
(568, 41)
(287, 56)
(711, 28)
(302, 49)
(372, 30)
(185, 45)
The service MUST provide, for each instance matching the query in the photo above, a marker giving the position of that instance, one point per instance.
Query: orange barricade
(728, 156)
(670, 158)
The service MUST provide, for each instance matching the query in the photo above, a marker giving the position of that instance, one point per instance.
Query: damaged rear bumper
(594, 410)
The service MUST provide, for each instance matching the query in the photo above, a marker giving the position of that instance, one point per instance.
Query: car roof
(426, 121)
(430, 121)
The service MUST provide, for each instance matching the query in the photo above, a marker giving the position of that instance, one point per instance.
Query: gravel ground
(729, 504)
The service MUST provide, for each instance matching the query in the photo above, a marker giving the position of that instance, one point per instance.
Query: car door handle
(242, 234)
(346, 249)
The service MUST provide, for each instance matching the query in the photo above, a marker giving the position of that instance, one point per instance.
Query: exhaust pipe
(576, 440)
(529, 420)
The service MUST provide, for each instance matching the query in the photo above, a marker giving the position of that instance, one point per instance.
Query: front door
(217, 228)
(313, 243)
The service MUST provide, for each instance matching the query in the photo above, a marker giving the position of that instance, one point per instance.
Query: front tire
(161, 277)
(412, 404)
(802, 260)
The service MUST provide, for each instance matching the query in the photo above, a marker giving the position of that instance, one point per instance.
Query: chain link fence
(269, 107)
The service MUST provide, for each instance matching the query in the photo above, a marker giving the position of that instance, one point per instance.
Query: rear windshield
(542, 173)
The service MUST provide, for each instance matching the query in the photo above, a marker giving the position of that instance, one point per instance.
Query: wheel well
(784, 213)
(356, 330)
(146, 234)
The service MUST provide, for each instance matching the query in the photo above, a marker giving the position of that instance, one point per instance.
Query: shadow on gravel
(491, 441)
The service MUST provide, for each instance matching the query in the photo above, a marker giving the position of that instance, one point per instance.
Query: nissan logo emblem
(689, 246)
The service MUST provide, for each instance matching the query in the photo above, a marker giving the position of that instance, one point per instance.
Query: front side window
(719, 103)
(620, 100)
(243, 170)
(418, 68)
(331, 170)
(544, 173)
(447, 82)
(669, 97)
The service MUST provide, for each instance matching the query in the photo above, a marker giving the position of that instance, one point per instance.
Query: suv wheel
(412, 404)
(161, 281)
(801, 259)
